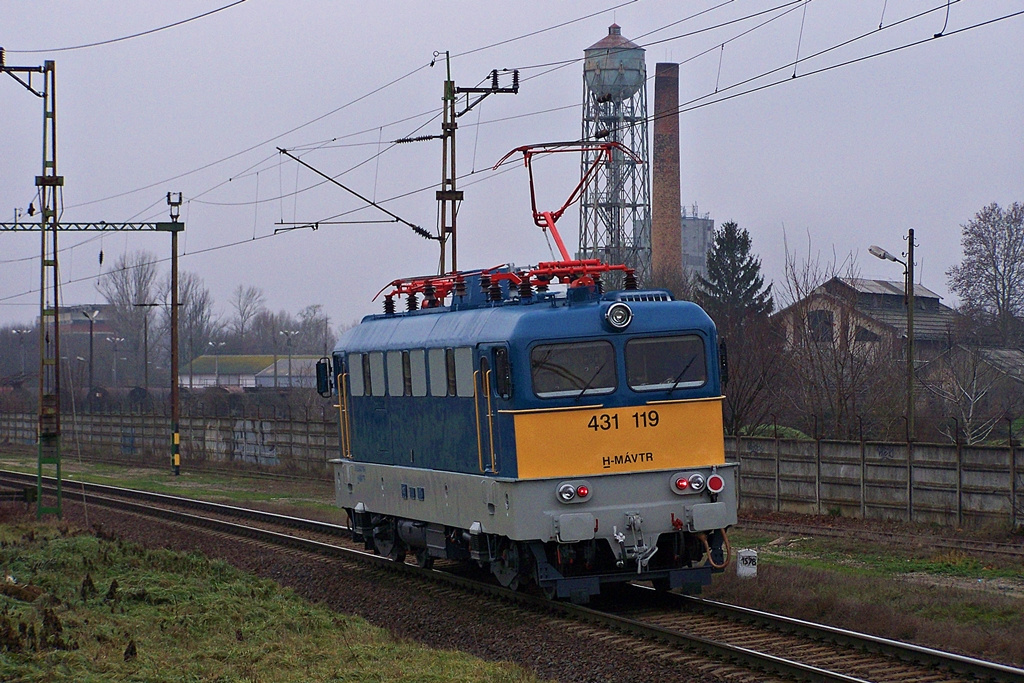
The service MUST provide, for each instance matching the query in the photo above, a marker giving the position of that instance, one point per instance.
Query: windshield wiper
(591, 381)
(679, 377)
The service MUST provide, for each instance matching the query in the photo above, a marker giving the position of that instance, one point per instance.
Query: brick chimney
(666, 222)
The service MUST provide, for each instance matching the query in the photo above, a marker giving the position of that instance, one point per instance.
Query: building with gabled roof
(223, 370)
(863, 310)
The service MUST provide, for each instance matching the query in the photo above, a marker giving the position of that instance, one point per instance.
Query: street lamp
(21, 342)
(115, 341)
(92, 320)
(289, 335)
(216, 360)
(908, 286)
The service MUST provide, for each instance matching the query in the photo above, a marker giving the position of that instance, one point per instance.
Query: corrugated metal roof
(928, 325)
(886, 287)
(301, 366)
(228, 365)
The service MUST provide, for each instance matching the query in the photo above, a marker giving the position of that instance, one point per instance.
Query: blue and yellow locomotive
(568, 439)
(559, 435)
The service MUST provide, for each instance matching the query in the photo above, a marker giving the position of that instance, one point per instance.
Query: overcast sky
(835, 160)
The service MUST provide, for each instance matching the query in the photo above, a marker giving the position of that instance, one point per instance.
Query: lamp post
(289, 335)
(21, 342)
(92, 321)
(115, 341)
(216, 360)
(908, 283)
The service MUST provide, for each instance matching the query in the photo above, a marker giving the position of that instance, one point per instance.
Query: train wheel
(507, 565)
(385, 540)
(424, 560)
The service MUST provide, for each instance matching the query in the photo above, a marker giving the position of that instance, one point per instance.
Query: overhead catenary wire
(697, 103)
(335, 110)
(129, 37)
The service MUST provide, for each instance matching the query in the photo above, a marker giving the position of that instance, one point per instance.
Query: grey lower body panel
(623, 509)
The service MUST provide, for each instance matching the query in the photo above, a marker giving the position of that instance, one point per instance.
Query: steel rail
(975, 668)
(969, 666)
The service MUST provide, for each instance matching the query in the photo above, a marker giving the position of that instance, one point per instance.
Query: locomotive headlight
(619, 315)
(696, 482)
(566, 492)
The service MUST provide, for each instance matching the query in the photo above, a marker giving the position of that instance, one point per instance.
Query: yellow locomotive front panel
(660, 435)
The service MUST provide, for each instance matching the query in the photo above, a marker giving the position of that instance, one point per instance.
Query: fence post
(1013, 473)
(817, 466)
(863, 466)
(775, 429)
(909, 472)
(959, 474)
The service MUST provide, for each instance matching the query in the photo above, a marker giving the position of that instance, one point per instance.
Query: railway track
(742, 644)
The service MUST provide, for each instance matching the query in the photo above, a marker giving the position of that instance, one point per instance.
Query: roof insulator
(525, 290)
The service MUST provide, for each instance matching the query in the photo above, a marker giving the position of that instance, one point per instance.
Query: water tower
(615, 210)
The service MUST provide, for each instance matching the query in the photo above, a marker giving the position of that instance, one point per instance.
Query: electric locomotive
(559, 435)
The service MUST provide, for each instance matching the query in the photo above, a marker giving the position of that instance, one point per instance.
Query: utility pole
(910, 335)
(174, 204)
(92, 321)
(48, 182)
(908, 288)
(449, 196)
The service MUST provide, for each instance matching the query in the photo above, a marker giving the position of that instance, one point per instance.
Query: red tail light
(582, 491)
(715, 483)
(682, 483)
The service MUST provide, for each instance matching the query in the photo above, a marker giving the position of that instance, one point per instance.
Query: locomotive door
(491, 391)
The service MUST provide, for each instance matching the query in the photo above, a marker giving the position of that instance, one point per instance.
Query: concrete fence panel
(945, 484)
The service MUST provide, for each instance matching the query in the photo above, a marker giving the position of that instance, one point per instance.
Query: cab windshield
(561, 370)
(660, 363)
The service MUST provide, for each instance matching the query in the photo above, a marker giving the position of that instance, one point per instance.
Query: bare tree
(315, 330)
(130, 281)
(247, 302)
(965, 383)
(197, 323)
(682, 286)
(831, 370)
(990, 279)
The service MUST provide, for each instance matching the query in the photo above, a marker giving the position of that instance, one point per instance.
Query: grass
(222, 487)
(903, 591)
(923, 595)
(112, 611)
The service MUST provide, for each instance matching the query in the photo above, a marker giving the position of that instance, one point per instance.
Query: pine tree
(735, 296)
(734, 289)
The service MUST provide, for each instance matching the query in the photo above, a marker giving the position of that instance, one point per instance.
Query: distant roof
(1009, 362)
(931, 323)
(886, 287)
(228, 365)
(928, 325)
(302, 366)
